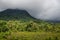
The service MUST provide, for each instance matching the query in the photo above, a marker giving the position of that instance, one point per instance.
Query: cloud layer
(40, 9)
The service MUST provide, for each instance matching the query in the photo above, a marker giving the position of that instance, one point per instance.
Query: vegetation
(31, 26)
(24, 27)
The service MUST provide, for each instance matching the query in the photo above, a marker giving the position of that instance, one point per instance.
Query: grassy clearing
(30, 36)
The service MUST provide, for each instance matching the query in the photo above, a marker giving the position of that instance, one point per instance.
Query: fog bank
(40, 9)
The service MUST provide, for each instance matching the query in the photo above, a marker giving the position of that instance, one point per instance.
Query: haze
(40, 9)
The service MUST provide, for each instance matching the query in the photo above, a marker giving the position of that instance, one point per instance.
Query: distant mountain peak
(14, 14)
(14, 10)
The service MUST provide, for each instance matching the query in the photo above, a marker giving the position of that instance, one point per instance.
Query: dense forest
(19, 25)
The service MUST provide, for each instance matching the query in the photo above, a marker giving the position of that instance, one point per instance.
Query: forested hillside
(14, 14)
(19, 25)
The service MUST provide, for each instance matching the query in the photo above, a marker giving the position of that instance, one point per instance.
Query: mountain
(15, 14)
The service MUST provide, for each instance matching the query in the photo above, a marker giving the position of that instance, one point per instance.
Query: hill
(15, 14)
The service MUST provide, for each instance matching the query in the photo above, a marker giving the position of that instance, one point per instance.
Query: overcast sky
(40, 9)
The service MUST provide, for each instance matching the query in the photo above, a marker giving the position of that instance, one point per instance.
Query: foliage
(19, 25)
(31, 26)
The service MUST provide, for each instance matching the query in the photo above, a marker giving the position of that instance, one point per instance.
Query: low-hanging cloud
(40, 9)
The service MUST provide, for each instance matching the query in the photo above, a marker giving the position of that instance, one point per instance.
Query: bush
(3, 27)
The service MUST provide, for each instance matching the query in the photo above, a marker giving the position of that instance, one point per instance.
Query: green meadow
(29, 36)
(32, 30)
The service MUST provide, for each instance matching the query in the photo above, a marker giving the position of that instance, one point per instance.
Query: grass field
(29, 36)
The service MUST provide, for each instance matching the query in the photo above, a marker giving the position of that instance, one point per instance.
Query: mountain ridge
(16, 14)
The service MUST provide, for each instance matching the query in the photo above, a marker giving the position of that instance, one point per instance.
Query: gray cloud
(40, 9)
